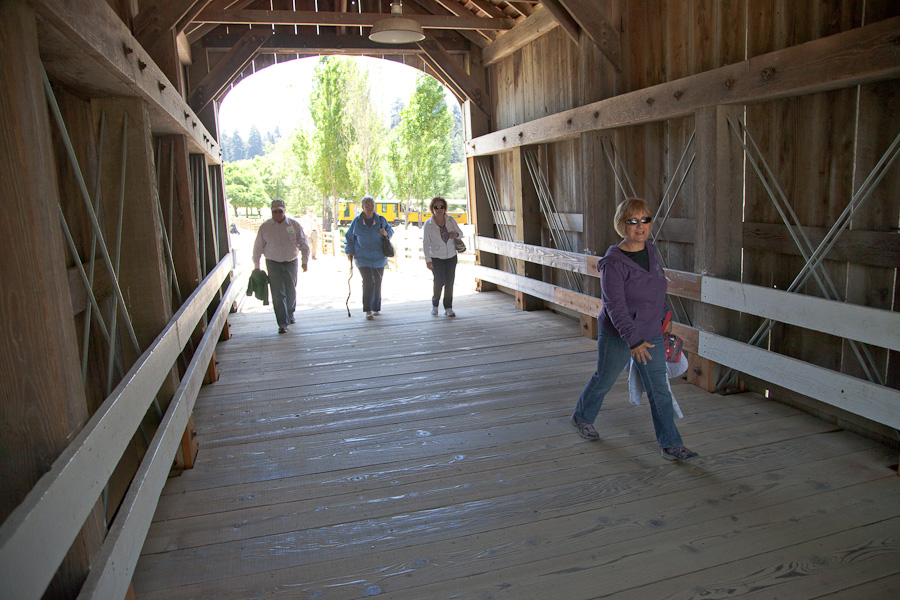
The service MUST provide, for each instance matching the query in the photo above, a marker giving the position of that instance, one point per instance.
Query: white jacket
(432, 244)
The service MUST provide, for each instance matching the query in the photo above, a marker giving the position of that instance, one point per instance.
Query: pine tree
(254, 143)
(235, 150)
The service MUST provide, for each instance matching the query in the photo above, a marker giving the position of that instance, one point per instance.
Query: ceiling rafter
(445, 7)
(289, 17)
(588, 15)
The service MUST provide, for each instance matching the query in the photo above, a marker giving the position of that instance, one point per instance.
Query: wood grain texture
(444, 478)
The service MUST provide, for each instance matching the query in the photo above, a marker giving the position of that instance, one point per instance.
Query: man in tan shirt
(281, 240)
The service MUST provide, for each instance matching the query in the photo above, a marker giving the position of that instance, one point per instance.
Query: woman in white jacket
(440, 253)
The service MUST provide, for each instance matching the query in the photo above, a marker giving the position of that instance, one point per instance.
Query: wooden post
(528, 225)
(597, 191)
(475, 124)
(189, 446)
(142, 274)
(718, 230)
(42, 400)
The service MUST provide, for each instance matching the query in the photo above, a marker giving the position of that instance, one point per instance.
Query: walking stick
(348, 287)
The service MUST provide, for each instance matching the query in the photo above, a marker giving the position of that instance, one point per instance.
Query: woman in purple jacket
(633, 288)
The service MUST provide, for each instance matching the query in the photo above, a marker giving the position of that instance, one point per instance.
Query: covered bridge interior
(763, 133)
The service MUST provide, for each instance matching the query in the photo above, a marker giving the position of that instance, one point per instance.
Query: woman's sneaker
(369, 315)
(434, 311)
(585, 430)
(449, 312)
(679, 453)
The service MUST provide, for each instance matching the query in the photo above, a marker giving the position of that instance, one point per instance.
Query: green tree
(233, 147)
(244, 186)
(367, 151)
(254, 143)
(333, 133)
(419, 150)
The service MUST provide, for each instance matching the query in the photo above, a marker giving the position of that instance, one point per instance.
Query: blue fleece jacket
(364, 241)
(634, 300)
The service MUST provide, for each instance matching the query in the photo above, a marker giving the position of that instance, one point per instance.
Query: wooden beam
(562, 16)
(456, 73)
(91, 28)
(604, 35)
(862, 55)
(718, 206)
(304, 43)
(528, 224)
(44, 403)
(159, 17)
(37, 535)
(873, 326)
(488, 9)
(438, 7)
(877, 403)
(196, 9)
(115, 564)
(538, 24)
(290, 17)
(876, 248)
(234, 61)
(194, 31)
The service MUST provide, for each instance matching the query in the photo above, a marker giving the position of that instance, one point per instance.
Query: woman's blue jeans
(613, 355)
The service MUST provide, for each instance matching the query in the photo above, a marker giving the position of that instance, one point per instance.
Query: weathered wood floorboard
(445, 466)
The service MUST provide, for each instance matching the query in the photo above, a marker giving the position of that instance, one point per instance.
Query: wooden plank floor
(414, 457)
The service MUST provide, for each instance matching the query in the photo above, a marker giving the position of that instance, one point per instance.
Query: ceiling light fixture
(396, 29)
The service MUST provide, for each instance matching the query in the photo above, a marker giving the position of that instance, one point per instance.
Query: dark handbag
(673, 347)
(459, 245)
(387, 248)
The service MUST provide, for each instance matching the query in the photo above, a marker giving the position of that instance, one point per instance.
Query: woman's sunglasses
(436, 207)
(635, 220)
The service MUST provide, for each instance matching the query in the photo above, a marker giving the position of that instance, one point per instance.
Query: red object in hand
(673, 347)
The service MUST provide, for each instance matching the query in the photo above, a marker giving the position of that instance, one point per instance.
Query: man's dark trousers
(283, 283)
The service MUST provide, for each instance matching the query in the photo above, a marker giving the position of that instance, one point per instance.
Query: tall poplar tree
(333, 133)
(366, 153)
(419, 150)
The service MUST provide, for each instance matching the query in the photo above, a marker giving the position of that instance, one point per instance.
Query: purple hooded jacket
(634, 300)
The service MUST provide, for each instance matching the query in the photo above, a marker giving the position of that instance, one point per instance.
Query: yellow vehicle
(393, 212)
(388, 210)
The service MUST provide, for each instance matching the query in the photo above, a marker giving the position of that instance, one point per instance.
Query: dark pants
(371, 284)
(444, 271)
(283, 282)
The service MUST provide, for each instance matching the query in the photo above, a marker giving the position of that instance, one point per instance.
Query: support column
(142, 270)
(476, 124)
(528, 225)
(42, 400)
(718, 230)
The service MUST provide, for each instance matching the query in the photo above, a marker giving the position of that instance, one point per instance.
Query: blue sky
(279, 95)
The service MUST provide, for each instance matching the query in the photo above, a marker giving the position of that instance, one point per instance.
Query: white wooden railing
(37, 535)
(868, 325)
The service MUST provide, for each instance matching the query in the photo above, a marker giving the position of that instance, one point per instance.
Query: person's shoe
(369, 315)
(376, 312)
(449, 312)
(282, 330)
(585, 430)
(434, 311)
(292, 320)
(679, 453)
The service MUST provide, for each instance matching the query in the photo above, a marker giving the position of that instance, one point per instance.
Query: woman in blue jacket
(633, 289)
(364, 243)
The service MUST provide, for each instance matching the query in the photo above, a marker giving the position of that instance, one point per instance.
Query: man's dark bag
(386, 247)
